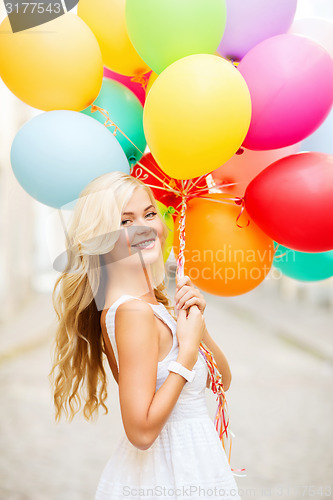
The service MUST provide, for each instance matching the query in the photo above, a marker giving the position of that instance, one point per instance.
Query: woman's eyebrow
(131, 213)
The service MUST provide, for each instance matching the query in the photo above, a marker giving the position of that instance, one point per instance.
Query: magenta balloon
(249, 22)
(290, 78)
(135, 87)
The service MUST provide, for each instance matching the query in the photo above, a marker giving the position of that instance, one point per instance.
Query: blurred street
(280, 403)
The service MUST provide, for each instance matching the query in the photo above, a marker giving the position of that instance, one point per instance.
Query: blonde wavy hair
(78, 348)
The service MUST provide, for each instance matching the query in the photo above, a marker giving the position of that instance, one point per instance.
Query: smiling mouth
(145, 243)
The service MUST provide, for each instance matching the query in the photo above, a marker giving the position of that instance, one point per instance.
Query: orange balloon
(106, 19)
(220, 257)
(245, 165)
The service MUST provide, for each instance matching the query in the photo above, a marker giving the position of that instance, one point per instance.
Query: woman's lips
(147, 244)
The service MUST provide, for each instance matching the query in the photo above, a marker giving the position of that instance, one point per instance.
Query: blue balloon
(57, 153)
(321, 140)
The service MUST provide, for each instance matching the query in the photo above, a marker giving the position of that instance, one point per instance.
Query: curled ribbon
(140, 78)
(221, 416)
(241, 201)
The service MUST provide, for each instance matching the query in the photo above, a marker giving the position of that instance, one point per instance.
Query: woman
(112, 301)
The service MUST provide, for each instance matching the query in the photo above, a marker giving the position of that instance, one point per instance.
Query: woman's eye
(152, 213)
(123, 221)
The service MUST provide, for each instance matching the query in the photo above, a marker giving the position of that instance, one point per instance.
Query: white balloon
(319, 29)
(314, 8)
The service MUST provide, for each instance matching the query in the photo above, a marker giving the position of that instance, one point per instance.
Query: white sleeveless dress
(187, 459)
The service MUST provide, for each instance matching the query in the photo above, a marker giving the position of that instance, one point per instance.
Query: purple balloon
(249, 22)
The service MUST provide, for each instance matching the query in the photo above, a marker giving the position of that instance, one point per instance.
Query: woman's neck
(122, 280)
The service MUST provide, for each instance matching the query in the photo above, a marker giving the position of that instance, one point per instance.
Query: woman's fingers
(186, 296)
(184, 280)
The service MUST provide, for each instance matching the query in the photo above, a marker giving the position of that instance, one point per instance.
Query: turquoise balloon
(304, 266)
(126, 111)
(57, 153)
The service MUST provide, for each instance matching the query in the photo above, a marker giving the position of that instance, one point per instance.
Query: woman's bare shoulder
(132, 309)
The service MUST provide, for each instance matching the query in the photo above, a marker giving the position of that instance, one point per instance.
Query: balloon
(245, 165)
(166, 214)
(56, 154)
(163, 32)
(221, 258)
(164, 195)
(251, 22)
(107, 21)
(320, 30)
(137, 88)
(321, 140)
(126, 111)
(151, 80)
(304, 266)
(196, 115)
(291, 200)
(290, 78)
(57, 65)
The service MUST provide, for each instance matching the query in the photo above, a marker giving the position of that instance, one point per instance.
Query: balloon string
(109, 123)
(221, 415)
(181, 227)
(192, 184)
(167, 186)
(278, 256)
(241, 201)
(141, 78)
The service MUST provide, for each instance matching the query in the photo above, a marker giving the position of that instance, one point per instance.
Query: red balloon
(292, 201)
(163, 195)
(135, 87)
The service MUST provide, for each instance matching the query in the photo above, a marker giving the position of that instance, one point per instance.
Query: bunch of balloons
(223, 87)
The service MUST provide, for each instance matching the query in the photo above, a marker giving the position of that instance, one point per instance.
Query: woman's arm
(144, 411)
(221, 360)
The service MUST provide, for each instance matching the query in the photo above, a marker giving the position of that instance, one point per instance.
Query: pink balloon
(245, 165)
(137, 88)
(290, 78)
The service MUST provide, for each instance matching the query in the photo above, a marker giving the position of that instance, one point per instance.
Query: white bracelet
(176, 367)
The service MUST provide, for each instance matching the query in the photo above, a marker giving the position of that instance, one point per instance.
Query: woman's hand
(188, 295)
(190, 329)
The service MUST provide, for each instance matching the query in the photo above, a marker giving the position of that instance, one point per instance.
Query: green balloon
(163, 31)
(304, 266)
(126, 111)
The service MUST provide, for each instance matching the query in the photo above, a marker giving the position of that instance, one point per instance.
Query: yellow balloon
(151, 80)
(196, 115)
(57, 65)
(106, 18)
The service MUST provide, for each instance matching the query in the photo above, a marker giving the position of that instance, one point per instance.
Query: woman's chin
(150, 256)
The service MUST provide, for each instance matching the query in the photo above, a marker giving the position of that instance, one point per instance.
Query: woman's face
(142, 230)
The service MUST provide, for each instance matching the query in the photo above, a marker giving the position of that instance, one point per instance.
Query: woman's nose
(142, 226)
